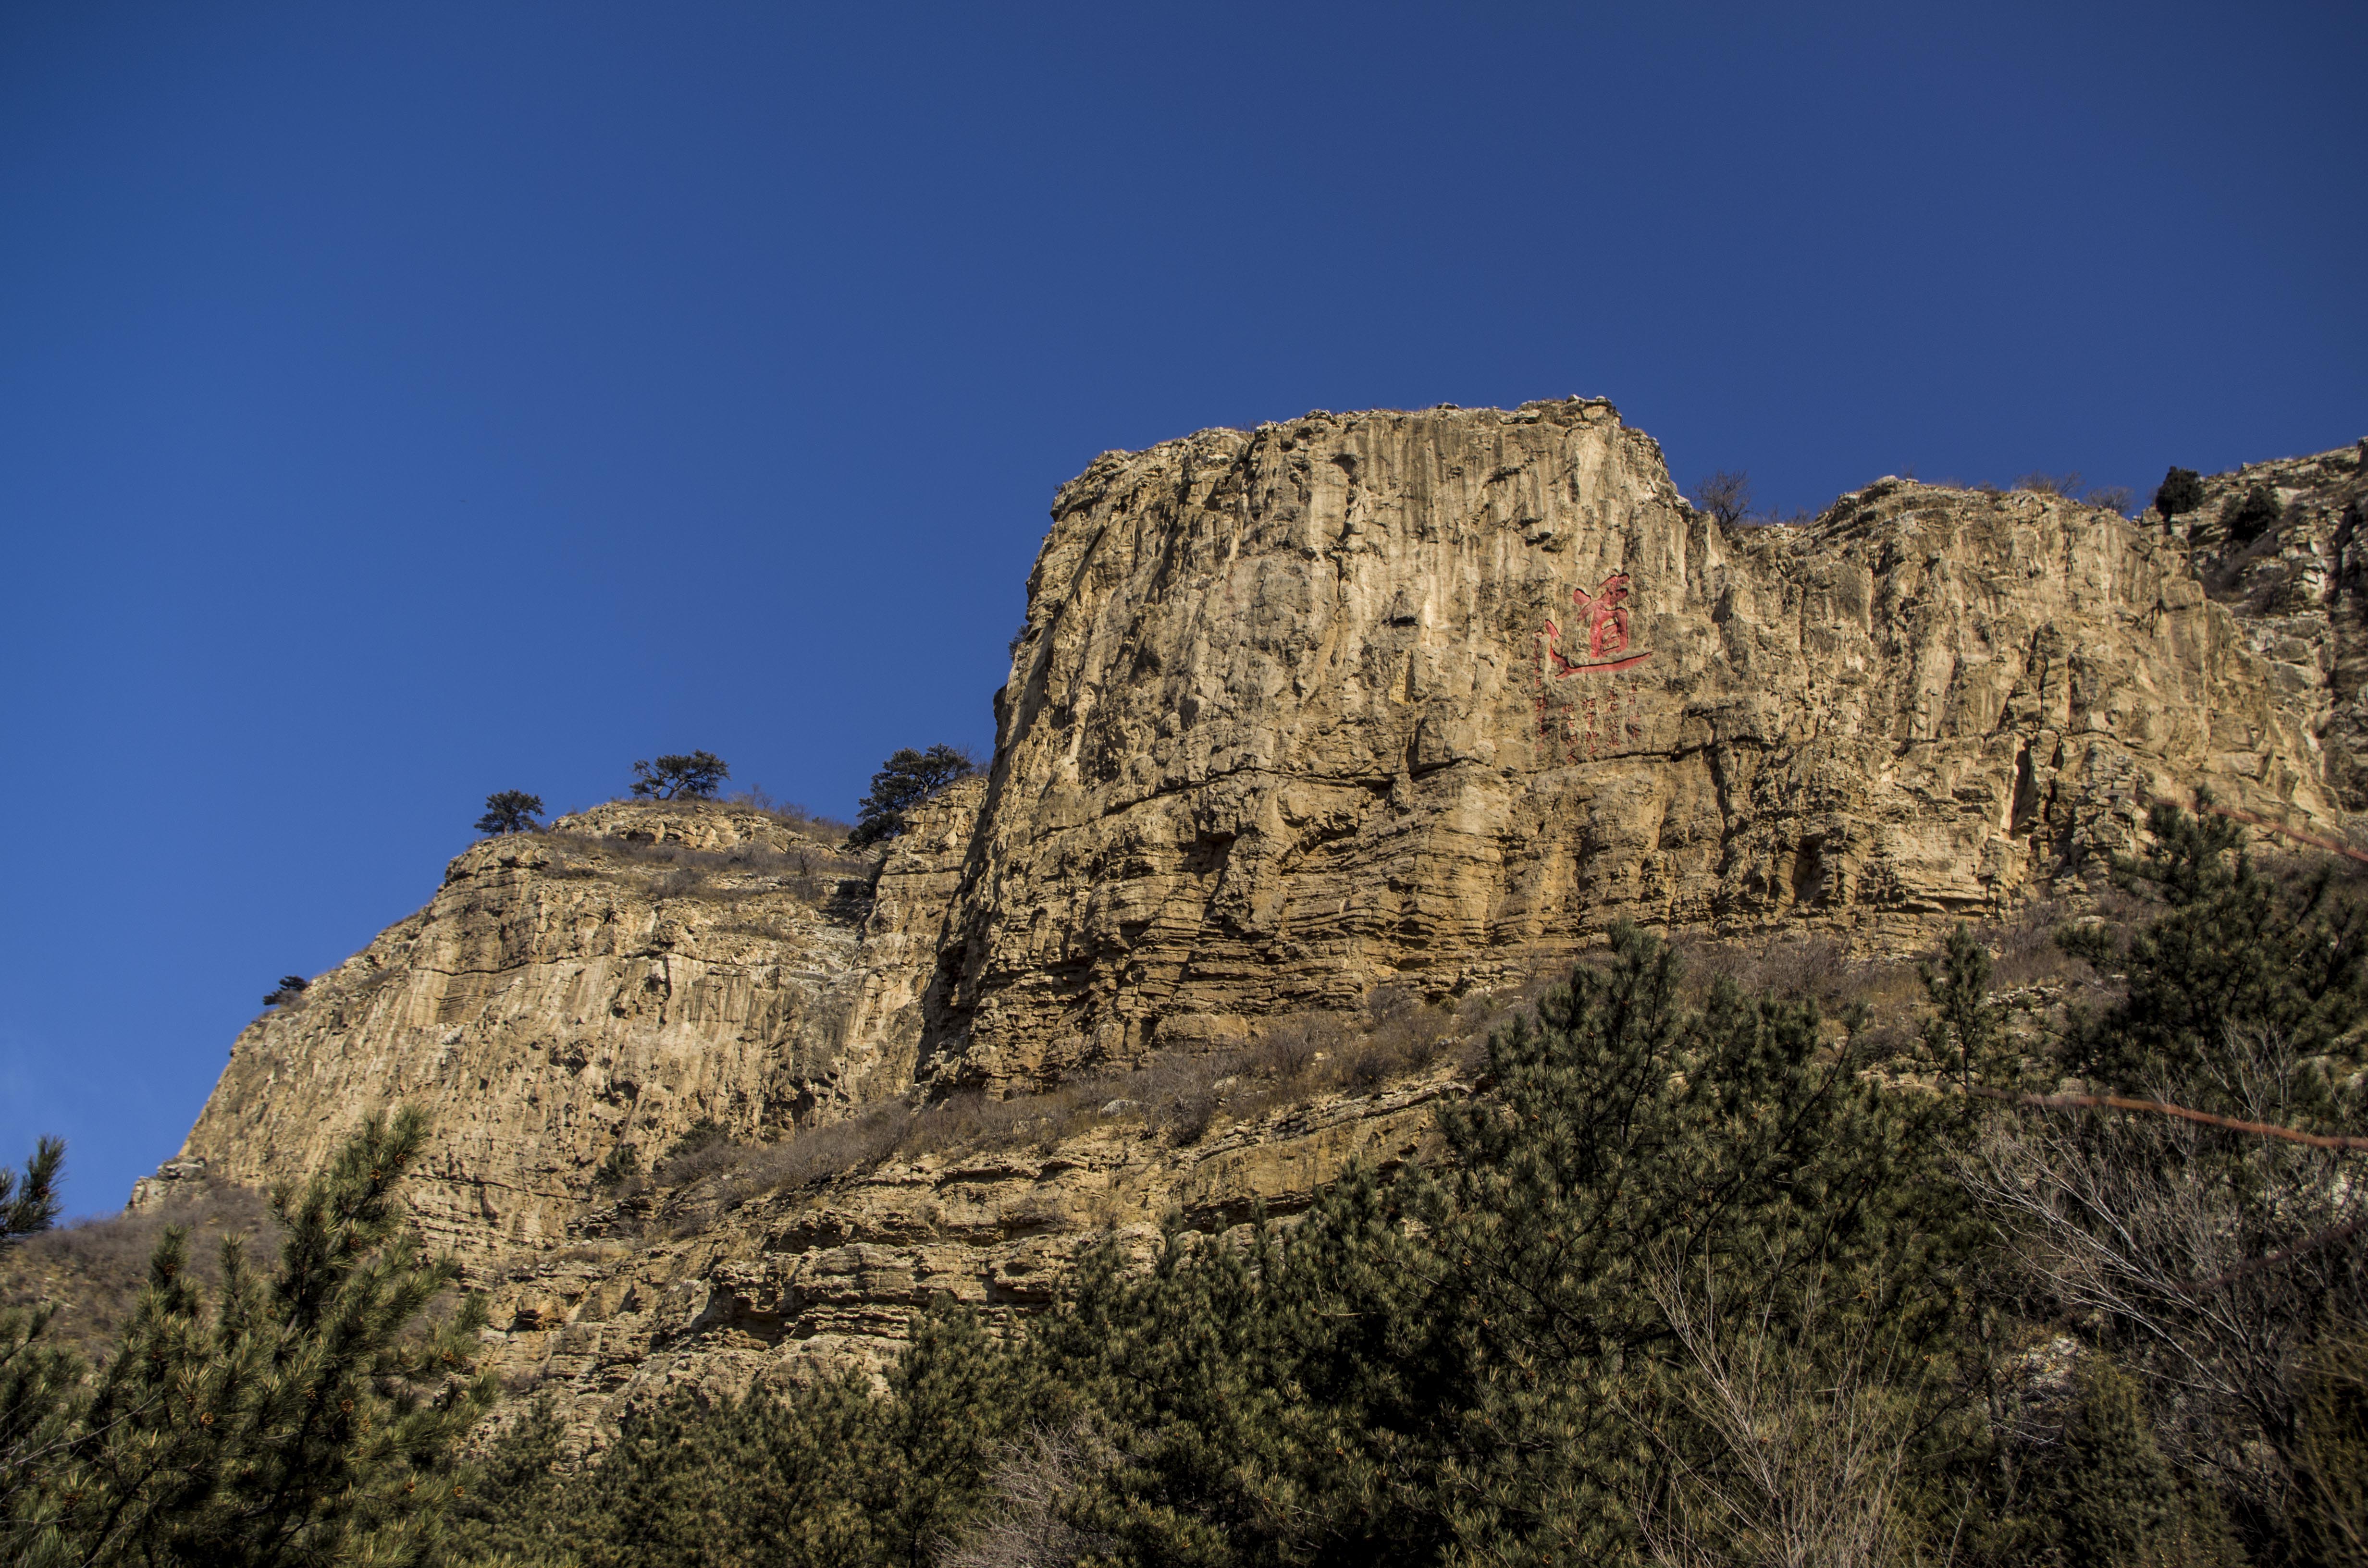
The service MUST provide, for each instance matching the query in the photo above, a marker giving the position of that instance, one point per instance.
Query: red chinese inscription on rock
(1601, 721)
(1603, 620)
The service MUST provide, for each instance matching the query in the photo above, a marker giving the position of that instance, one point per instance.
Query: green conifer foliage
(2112, 1498)
(1509, 1360)
(306, 1417)
(2332, 1506)
(28, 1206)
(830, 1475)
(2231, 949)
(1631, 1149)
(2181, 490)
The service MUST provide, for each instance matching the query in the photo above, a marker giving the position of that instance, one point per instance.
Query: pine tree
(2181, 490)
(905, 782)
(2113, 1499)
(308, 1417)
(515, 811)
(29, 1206)
(1505, 1361)
(2231, 948)
(828, 1474)
(679, 776)
(1636, 1161)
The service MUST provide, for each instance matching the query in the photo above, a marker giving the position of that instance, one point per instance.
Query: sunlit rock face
(1427, 700)
(1429, 697)
(638, 969)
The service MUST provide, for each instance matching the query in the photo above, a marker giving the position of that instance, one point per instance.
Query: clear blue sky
(400, 402)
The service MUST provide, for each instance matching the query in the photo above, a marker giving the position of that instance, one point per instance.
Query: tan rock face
(2300, 591)
(787, 1284)
(638, 968)
(1429, 697)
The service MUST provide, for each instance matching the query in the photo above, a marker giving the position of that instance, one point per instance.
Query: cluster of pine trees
(1715, 1281)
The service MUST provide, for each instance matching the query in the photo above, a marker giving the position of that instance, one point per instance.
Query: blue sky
(403, 402)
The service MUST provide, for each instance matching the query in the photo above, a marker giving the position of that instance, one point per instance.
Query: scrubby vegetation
(308, 1417)
(2251, 515)
(1720, 1268)
(98, 1263)
(1726, 495)
(2181, 490)
(815, 871)
(2048, 1250)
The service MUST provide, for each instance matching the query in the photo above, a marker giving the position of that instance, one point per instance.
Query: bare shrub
(704, 1148)
(1291, 1045)
(1179, 1096)
(822, 829)
(1726, 495)
(1791, 1442)
(1816, 968)
(2213, 1258)
(818, 1154)
(2067, 485)
(1034, 1486)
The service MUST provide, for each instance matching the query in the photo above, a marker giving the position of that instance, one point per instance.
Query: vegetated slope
(1346, 706)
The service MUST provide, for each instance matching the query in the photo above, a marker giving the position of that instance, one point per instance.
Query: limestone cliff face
(793, 1282)
(2300, 590)
(1430, 697)
(638, 968)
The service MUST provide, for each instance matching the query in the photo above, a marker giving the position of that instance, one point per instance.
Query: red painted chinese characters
(1604, 616)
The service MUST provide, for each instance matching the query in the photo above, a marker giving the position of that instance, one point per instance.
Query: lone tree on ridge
(291, 987)
(1726, 495)
(2181, 490)
(511, 811)
(692, 777)
(903, 782)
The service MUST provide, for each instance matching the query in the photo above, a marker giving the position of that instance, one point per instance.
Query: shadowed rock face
(1429, 699)
(2300, 590)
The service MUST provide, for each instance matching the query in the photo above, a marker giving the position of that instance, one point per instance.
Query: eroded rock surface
(639, 968)
(2299, 586)
(1419, 698)
(788, 1284)
(1434, 696)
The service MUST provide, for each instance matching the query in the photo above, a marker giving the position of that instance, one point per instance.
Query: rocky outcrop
(1431, 698)
(789, 1283)
(1416, 699)
(638, 968)
(2299, 586)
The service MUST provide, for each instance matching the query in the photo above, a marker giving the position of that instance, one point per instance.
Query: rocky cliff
(1434, 696)
(1422, 700)
(639, 968)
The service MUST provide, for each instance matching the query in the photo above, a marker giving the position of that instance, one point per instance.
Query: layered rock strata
(1431, 698)
(788, 1284)
(2299, 586)
(638, 969)
(1418, 698)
